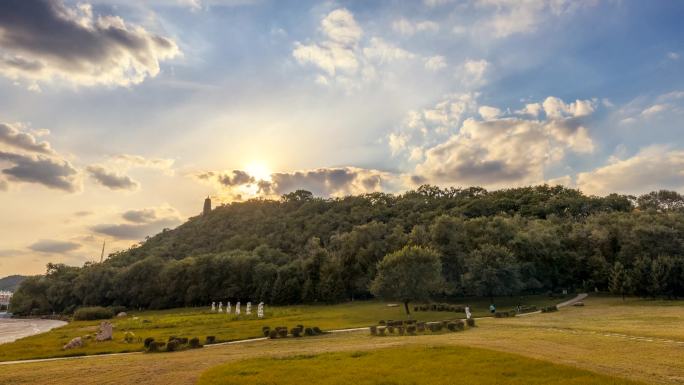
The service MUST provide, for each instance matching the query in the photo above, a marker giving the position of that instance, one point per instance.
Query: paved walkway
(578, 298)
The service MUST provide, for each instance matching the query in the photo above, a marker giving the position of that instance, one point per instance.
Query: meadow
(201, 322)
(429, 365)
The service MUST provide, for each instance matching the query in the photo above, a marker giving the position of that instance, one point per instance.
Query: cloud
(555, 108)
(341, 54)
(510, 17)
(673, 55)
(489, 113)
(111, 179)
(49, 172)
(141, 223)
(503, 151)
(472, 72)
(228, 179)
(11, 136)
(435, 63)
(50, 246)
(409, 28)
(328, 181)
(652, 168)
(143, 162)
(654, 109)
(46, 40)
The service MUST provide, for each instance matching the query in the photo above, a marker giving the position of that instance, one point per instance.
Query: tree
(492, 271)
(620, 281)
(410, 274)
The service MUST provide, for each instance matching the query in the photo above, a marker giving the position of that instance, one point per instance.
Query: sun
(258, 170)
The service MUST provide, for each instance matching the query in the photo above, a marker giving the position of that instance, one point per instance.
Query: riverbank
(13, 329)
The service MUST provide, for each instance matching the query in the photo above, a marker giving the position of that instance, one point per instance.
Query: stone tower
(207, 206)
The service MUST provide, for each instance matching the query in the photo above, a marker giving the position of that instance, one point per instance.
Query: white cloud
(673, 55)
(654, 109)
(409, 28)
(343, 55)
(555, 108)
(488, 112)
(532, 109)
(652, 168)
(472, 72)
(435, 63)
(44, 41)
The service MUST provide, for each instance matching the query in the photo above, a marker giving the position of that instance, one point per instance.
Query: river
(12, 329)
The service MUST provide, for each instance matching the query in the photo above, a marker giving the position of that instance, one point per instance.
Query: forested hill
(288, 224)
(306, 249)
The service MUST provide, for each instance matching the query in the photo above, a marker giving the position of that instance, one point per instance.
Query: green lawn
(200, 322)
(406, 365)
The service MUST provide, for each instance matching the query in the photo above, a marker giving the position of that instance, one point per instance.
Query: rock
(106, 331)
(122, 314)
(74, 343)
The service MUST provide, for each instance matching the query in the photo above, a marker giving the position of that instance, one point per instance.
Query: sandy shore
(13, 329)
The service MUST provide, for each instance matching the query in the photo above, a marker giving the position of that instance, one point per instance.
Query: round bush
(148, 341)
(210, 340)
(374, 330)
(273, 334)
(195, 343)
(172, 346)
(92, 313)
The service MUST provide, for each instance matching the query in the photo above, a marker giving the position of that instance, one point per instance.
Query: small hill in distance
(11, 283)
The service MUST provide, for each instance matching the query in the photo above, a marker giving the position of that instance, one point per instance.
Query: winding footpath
(570, 302)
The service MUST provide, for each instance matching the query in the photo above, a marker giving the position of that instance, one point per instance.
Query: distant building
(5, 297)
(207, 206)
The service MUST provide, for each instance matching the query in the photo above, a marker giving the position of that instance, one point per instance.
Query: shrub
(549, 309)
(411, 329)
(210, 340)
(381, 330)
(92, 313)
(451, 326)
(460, 325)
(390, 329)
(282, 332)
(317, 330)
(266, 331)
(183, 340)
(401, 330)
(148, 341)
(374, 330)
(117, 309)
(155, 346)
(309, 332)
(382, 322)
(273, 334)
(296, 332)
(129, 337)
(471, 322)
(421, 326)
(172, 346)
(195, 343)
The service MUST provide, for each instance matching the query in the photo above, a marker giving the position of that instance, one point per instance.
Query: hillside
(11, 282)
(303, 249)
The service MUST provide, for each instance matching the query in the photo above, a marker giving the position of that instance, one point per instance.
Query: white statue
(228, 308)
(260, 310)
(220, 307)
(249, 308)
(467, 311)
(213, 307)
(237, 308)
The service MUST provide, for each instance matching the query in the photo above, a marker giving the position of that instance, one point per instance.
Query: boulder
(122, 314)
(74, 343)
(105, 332)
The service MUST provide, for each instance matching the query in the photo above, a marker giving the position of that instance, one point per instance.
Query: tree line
(304, 249)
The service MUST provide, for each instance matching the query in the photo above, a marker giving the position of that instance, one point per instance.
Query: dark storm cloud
(13, 137)
(140, 216)
(54, 246)
(111, 179)
(42, 38)
(51, 173)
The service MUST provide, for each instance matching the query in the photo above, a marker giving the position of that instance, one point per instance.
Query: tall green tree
(620, 280)
(492, 271)
(410, 274)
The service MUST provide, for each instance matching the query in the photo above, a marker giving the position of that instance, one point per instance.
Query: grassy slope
(195, 322)
(564, 338)
(406, 365)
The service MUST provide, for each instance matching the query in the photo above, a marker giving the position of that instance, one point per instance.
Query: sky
(118, 117)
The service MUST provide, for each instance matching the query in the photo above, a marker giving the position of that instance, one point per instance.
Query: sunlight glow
(259, 171)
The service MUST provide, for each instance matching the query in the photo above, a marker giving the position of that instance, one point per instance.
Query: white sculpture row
(248, 310)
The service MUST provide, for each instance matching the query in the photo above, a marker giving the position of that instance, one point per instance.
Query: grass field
(196, 322)
(398, 366)
(597, 338)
